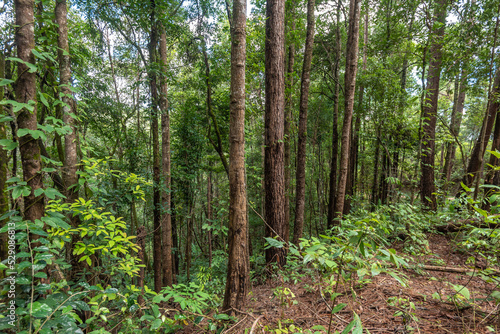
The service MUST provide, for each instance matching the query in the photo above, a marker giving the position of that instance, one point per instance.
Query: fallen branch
(454, 269)
(255, 324)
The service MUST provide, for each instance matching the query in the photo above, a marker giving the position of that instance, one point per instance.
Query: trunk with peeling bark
(34, 206)
(351, 68)
(166, 221)
(274, 178)
(237, 283)
(427, 186)
(301, 146)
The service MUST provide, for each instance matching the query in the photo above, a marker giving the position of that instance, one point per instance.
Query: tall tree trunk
(351, 69)
(237, 283)
(274, 163)
(157, 235)
(288, 121)
(209, 217)
(374, 198)
(456, 120)
(34, 206)
(476, 158)
(4, 160)
(301, 146)
(427, 186)
(335, 133)
(166, 224)
(141, 241)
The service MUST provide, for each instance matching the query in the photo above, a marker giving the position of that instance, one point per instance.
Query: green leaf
(5, 82)
(9, 144)
(349, 327)
(41, 310)
(274, 243)
(53, 193)
(338, 308)
(38, 192)
(43, 99)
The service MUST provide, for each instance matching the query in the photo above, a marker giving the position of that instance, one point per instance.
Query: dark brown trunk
(288, 121)
(34, 206)
(166, 224)
(427, 186)
(274, 163)
(302, 135)
(237, 283)
(209, 218)
(157, 236)
(375, 172)
(351, 69)
(335, 133)
(141, 241)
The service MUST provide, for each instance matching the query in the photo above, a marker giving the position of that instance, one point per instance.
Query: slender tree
(427, 186)
(335, 131)
(301, 147)
(4, 198)
(351, 69)
(237, 283)
(274, 178)
(157, 235)
(34, 206)
(166, 221)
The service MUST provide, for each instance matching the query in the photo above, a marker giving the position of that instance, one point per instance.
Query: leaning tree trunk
(351, 68)
(427, 186)
(157, 251)
(274, 164)
(166, 221)
(27, 119)
(237, 283)
(301, 146)
(477, 155)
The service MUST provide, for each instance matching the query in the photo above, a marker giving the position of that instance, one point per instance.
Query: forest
(279, 166)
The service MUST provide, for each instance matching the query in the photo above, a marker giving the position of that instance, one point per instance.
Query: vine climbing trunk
(237, 282)
(4, 195)
(301, 146)
(34, 206)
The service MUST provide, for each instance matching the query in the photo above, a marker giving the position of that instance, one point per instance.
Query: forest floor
(379, 299)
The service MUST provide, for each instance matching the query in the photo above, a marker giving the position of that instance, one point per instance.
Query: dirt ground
(445, 313)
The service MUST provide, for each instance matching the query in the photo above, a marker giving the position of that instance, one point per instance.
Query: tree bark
(274, 178)
(335, 133)
(302, 137)
(34, 206)
(166, 223)
(351, 69)
(288, 121)
(427, 186)
(237, 283)
(157, 236)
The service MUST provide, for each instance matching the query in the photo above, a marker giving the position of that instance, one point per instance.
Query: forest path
(379, 299)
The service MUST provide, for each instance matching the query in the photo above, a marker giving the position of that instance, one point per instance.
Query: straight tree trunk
(237, 283)
(4, 160)
(166, 223)
(351, 69)
(288, 121)
(335, 134)
(34, 206)
(427, 186)
(302, 138)
(209, 217)
(274, 163)
(157, 235)
(456, 120)
(476, 158)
